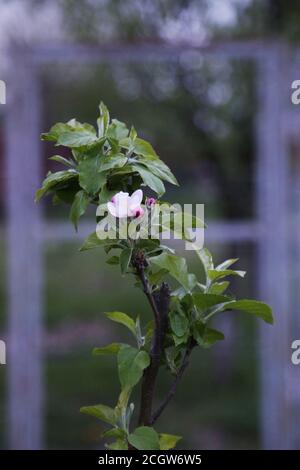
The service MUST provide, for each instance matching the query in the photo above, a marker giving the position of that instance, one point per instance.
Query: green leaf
(55, 131)
(215, 274)
(226, 264)
(178, 340)
(155, 278)
(187, 303)
(66, 195)
(132, 134)
(55, 181)
(159, 168)
(125, 258)
(118, 433)
(139, 146)
(102, 412)
(147, 244)
(131, 364)
(114, 146)
(122, 404)
(113, 246)
(206, 259)
(192, 281)
(108, 350)
(123, 318)
(254, 307)
(92, 241)
(105, 194)
(79, 206)
(204, 302)
(127, 144)
(121, 172)
(179, 322)
(103, 120)
(90, 179)
(142, 147)
(205, 336)
(168, 441)
(177, 268)
(119, 444)
(113, 261)
(109, 163)
(76, 138)
(117, 130)
(150, 180)
(172, 356)
(218, 287)
(78, 126)
(144, 438)
(64, 161)
(211, 336)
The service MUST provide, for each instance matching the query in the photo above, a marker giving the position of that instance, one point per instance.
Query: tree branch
(159, 303)
(148, 293)
(178, 377)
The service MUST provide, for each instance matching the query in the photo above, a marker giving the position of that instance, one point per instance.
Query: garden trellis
(280, 403)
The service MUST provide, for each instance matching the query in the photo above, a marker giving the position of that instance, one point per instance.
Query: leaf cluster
(102, 162)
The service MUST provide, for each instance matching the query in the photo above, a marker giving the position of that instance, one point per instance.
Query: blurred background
(208, 83)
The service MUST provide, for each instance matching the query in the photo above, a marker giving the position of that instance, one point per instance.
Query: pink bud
(150, 201)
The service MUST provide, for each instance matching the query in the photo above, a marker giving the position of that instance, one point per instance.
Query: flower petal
(122, 209)
(112, 209)
(121, 196)
(136, 198)
(139, 212)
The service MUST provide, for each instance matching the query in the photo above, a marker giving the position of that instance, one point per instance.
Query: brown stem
(130, 447)
(148, 293)
(159, 303)
(173, 388)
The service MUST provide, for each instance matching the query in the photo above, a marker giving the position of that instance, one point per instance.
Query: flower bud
(150, 202)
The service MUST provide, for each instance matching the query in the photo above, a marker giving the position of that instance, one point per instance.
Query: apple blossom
(122, 205)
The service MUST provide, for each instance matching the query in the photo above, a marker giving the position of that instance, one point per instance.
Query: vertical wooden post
(25, 277)
(292, 126)
(293, 376)
(272, 183)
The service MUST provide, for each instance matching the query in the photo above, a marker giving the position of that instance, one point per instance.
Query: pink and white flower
(122, 205)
